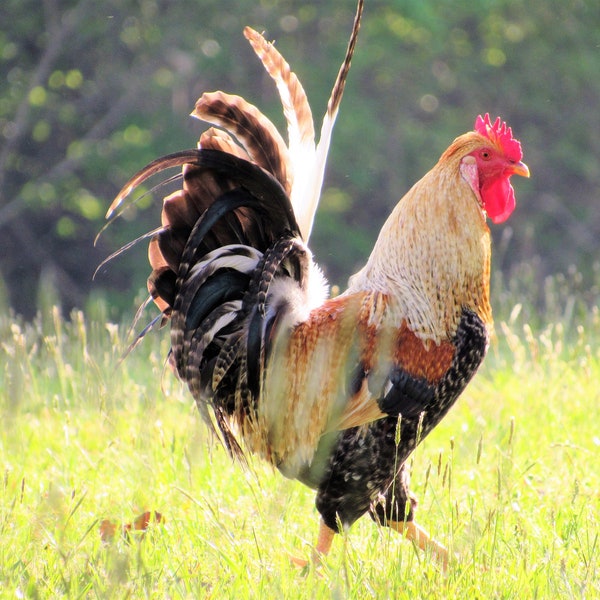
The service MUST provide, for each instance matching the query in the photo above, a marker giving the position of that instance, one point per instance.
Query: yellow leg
(415, 533)
(324, 541)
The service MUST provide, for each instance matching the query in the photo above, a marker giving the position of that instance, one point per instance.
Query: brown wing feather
(405, 349)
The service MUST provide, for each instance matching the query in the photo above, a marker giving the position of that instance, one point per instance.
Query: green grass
(510, 480)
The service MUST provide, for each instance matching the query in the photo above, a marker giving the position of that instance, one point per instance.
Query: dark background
(90, 91)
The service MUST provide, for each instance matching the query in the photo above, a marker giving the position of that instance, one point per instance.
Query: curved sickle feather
(177, 159)
(157, 320)
(133, 202)
(126, 247)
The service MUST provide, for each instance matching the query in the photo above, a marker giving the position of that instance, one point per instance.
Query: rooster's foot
(415, 533)
(324, 541)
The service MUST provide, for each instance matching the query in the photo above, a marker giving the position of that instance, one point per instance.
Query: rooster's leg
(415, 533)
(324, 541)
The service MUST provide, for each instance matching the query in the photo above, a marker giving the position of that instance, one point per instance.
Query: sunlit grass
(509, 480)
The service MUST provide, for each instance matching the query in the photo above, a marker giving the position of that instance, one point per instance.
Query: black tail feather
(230, 268)
(127, 247)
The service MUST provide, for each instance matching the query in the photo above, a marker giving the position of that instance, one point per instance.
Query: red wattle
(498, 199)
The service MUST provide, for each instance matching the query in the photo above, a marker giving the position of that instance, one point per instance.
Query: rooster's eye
(485, 155)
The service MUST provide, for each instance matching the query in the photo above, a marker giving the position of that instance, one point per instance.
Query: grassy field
(509, 481)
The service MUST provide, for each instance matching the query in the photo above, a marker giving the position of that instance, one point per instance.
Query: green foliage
(509, 480)
(90, 92)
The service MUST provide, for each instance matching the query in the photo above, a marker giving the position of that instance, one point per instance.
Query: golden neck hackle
(432, 257)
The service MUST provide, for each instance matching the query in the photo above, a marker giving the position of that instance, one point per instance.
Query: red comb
(499, 133)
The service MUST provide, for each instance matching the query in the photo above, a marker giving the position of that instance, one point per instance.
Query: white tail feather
(307, 162)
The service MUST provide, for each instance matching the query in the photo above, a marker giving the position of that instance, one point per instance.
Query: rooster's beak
(519, 168)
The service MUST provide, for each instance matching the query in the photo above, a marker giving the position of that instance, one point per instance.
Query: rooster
(335, 392)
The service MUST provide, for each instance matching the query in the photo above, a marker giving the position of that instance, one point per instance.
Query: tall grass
(509, 480)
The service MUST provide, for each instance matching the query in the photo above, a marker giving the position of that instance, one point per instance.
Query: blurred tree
(91, 91)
